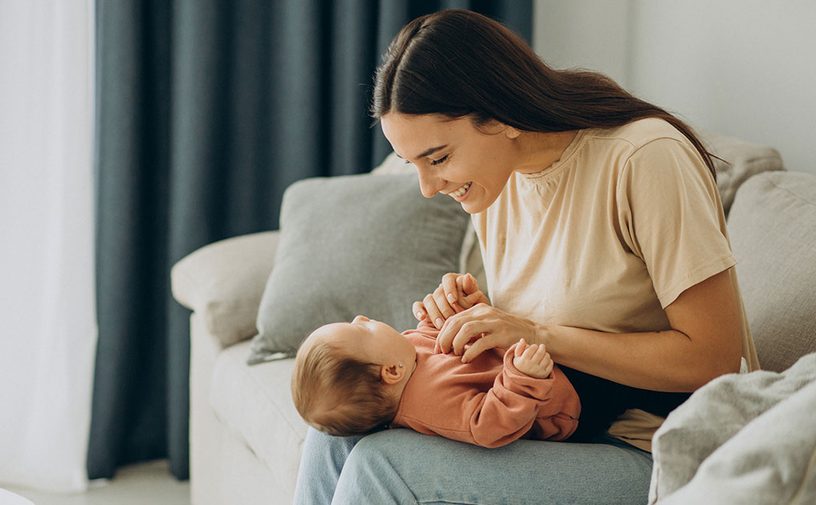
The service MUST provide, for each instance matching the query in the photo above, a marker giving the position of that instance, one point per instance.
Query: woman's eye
(440, 160)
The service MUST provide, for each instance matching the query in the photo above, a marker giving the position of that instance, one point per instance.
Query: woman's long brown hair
(458, 63)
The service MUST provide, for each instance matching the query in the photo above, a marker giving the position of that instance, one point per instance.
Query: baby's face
(368, 340)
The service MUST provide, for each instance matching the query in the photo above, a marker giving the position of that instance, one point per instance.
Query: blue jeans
(404, 467)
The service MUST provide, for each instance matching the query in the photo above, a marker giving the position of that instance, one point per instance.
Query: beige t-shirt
(607, 237)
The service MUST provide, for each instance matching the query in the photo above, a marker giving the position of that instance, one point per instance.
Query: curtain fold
(207, 111)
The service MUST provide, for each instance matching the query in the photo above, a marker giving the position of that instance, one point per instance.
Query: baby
(359, 377)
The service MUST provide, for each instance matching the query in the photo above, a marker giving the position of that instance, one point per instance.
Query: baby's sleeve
(508, 410)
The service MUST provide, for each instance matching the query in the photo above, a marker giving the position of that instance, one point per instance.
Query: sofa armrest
(223, 282)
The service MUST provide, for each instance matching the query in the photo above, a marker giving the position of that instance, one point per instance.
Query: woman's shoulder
(639, 133)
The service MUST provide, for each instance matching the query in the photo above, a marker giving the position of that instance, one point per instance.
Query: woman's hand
(456, 293)
(487, 327)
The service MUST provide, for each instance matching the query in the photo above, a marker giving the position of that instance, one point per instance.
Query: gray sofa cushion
(360, 244)
(773, 233)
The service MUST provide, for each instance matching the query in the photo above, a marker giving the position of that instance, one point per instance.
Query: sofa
(245, 434)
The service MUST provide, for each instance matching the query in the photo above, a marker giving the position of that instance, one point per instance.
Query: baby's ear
(391, 374)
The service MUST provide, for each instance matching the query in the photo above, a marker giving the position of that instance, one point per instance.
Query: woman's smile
(461, 193)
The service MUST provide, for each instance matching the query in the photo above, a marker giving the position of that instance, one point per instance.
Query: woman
(603, 238)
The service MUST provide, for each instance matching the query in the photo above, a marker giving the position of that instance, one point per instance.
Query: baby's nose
(360, 318)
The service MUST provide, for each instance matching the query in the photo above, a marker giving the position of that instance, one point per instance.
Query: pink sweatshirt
(486, 402)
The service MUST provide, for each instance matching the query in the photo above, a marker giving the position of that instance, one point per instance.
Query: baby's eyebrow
(426, 152)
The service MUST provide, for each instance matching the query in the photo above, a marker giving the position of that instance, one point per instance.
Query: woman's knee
(373, 451)
(327, 452)
(369, 472)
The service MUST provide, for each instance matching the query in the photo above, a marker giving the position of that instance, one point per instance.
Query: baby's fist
(532, 360)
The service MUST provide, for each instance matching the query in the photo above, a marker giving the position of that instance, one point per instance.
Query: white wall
(745, 68)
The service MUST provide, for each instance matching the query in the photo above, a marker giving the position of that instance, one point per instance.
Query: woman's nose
(360, 318)
(429, 185)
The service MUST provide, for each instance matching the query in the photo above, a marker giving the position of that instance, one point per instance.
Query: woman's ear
(511, 133)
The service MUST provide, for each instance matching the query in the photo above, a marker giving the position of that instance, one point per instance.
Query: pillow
(223, 283)
(773, 235)
(358, 244)
(744, 160)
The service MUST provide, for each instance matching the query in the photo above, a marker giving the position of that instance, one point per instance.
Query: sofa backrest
(773, 234)
(738, 161)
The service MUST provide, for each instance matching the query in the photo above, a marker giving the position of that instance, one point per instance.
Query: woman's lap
(402, 466)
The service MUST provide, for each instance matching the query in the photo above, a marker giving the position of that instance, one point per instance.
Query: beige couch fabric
(223, 282)
(255, 404)
(744, 160)
(773, 234)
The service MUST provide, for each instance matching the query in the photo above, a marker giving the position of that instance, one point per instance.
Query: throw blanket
(742, 438)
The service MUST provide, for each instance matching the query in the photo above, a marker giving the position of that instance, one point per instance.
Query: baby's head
(349, 377)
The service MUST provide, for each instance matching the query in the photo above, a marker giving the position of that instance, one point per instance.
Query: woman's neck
(539, 150)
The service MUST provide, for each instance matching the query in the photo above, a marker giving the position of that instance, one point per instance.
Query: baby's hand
(456, 293)
(533, 360)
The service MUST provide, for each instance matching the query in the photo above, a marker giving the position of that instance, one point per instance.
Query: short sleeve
(671, 217)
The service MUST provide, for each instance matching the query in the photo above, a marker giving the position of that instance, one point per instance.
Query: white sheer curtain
(47, 315)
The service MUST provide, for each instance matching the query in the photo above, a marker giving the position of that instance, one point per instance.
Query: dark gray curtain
(206, 111)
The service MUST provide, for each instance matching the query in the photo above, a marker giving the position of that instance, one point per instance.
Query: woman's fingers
(469, 292)
(445, 337)
(491, 327)
(462, 300)
(467, 332)
(442, 305)
(452, 296)
(470, 284)
(453, 326)
(476, 348)
(451, 292)
(418, 309)
(477, 298)
(434, 314)
(437, 306)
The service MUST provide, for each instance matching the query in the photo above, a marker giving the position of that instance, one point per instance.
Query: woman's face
(453, 157)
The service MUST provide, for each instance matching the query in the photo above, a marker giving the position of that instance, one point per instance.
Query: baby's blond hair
(339, 394)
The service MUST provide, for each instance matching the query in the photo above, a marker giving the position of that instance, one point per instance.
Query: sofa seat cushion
(255, 404)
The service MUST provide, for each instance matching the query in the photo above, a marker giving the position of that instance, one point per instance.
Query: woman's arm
(705, 340)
